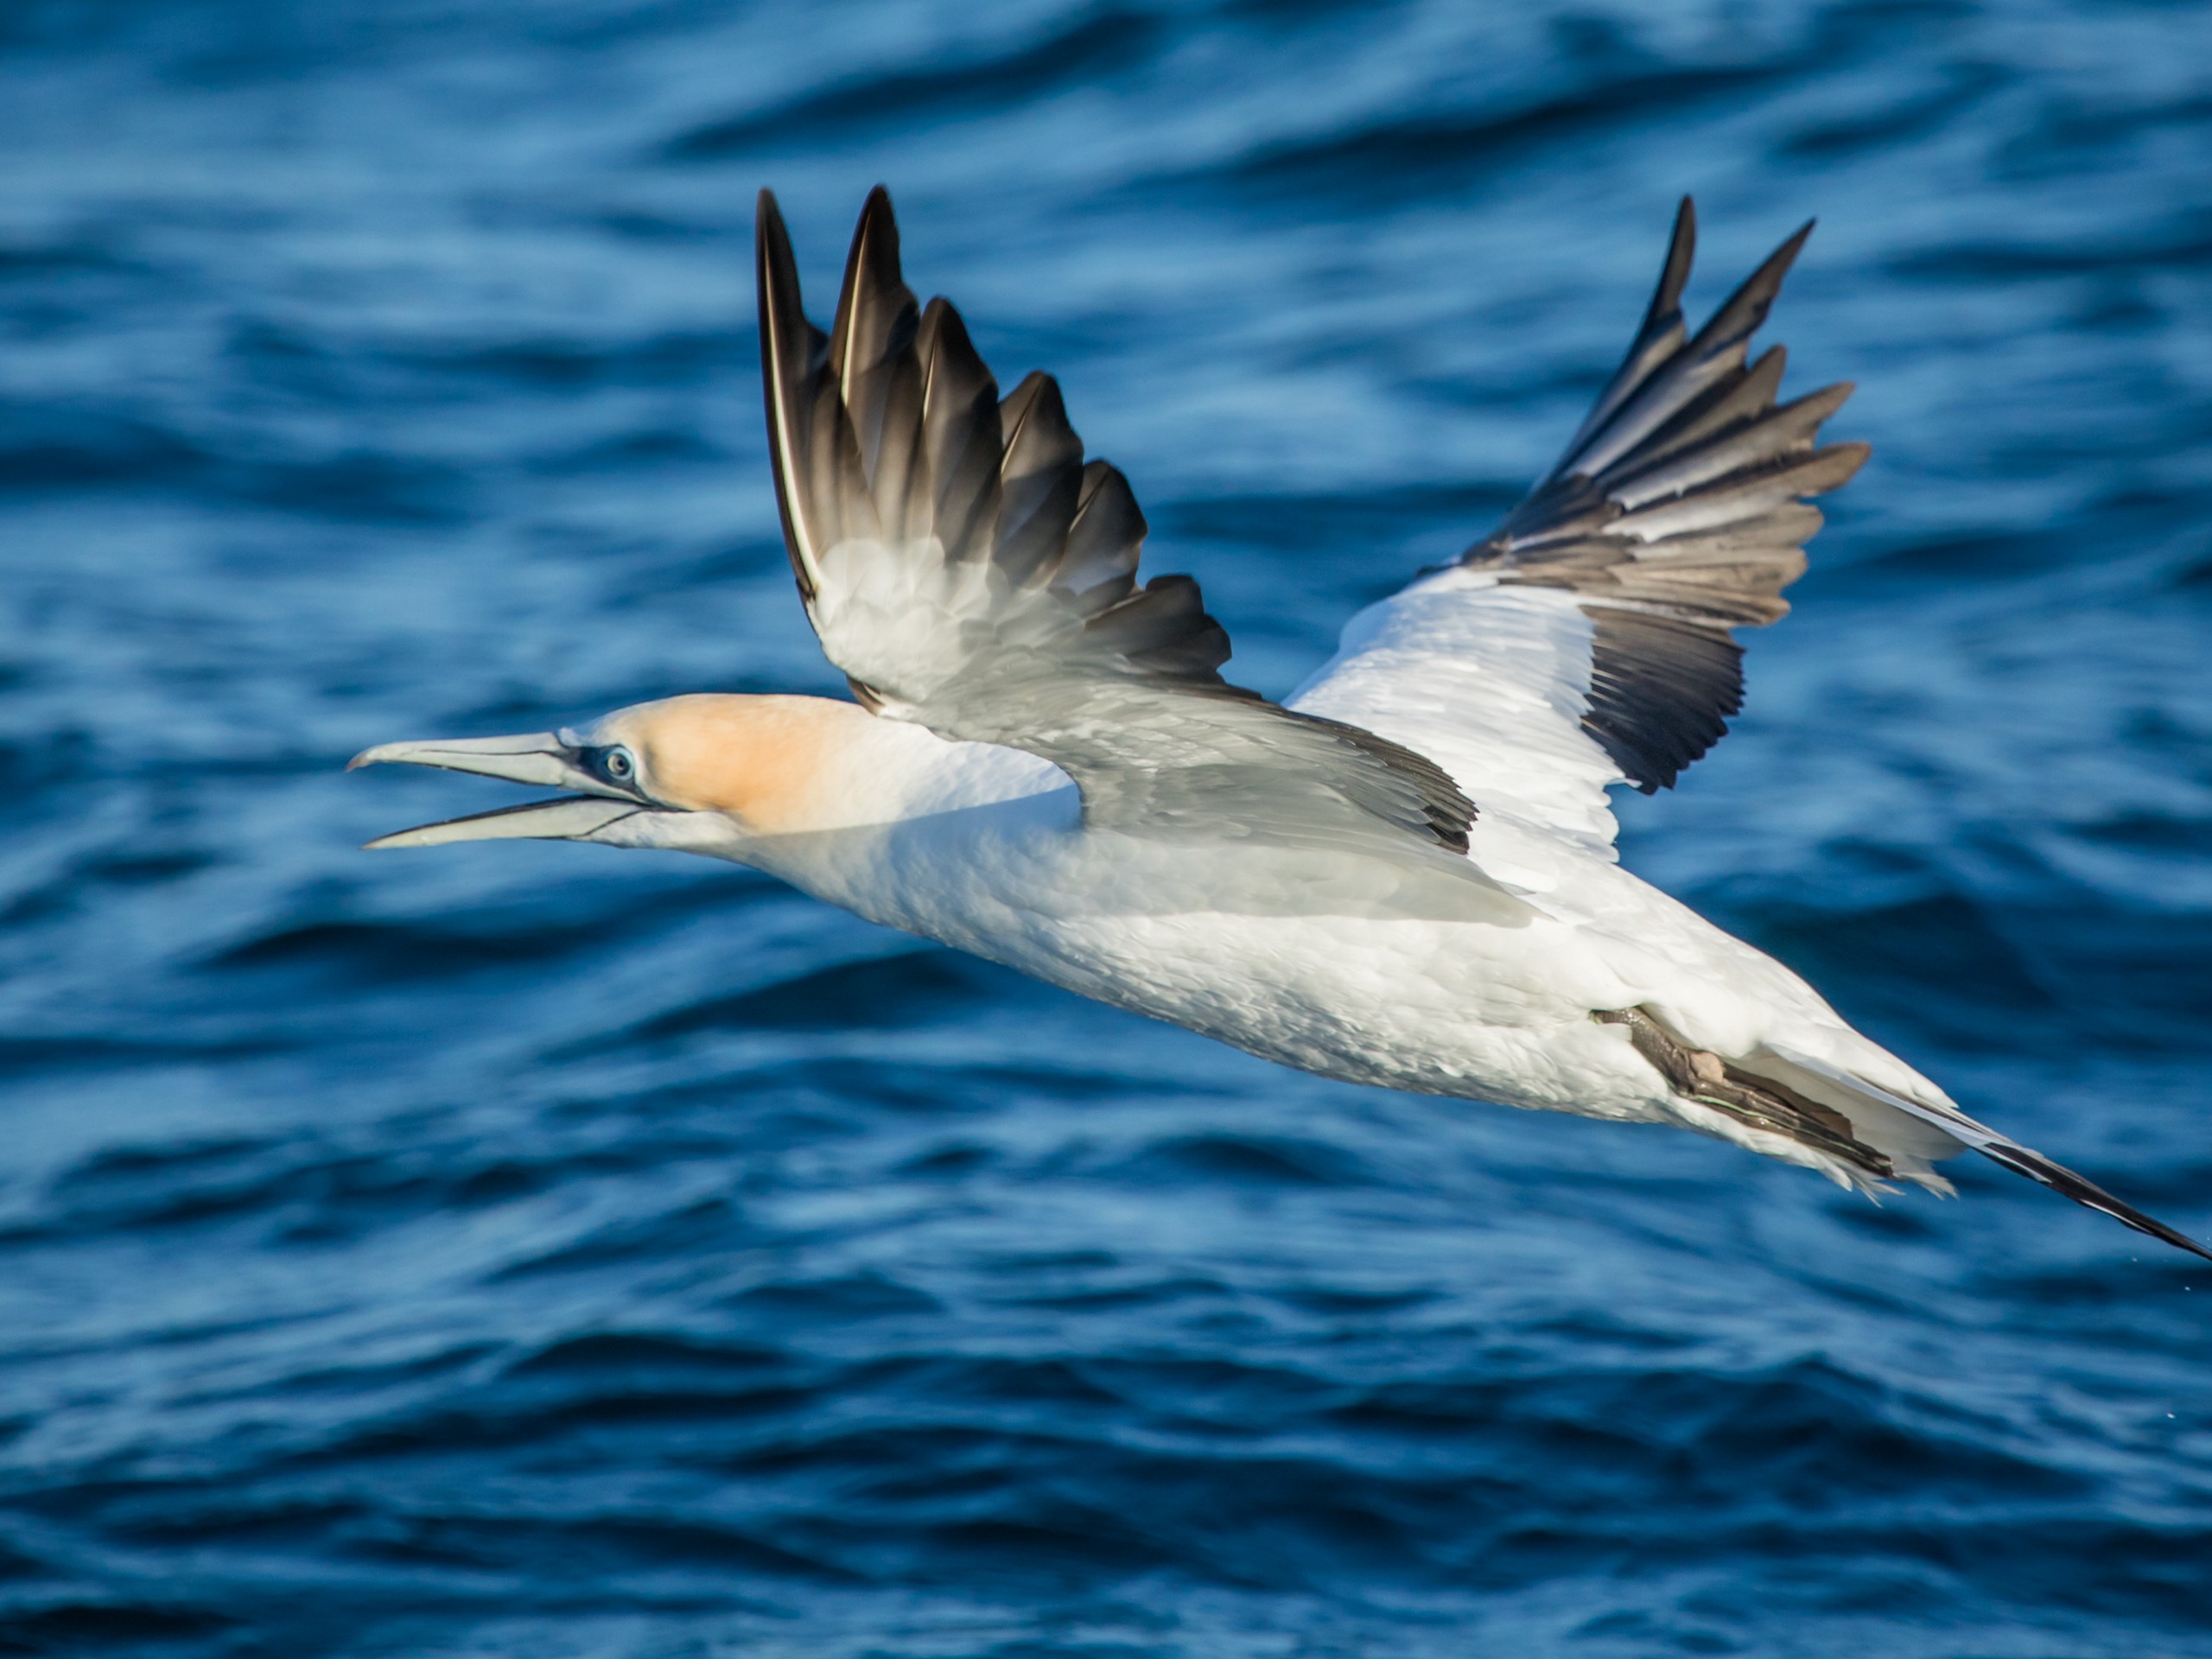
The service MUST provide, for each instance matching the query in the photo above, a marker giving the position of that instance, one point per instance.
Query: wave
(549, 1250)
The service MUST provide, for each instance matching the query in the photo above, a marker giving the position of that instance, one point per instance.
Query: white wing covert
(1587, 641)
(969, 571)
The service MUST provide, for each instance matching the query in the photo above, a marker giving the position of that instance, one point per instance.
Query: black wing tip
(877, 228)
(768, 227)
(1644, 767)
(874, 278)
(942, 322)
(1856, 450)
(877, 209)
(1776, 264)
(1744, 312)
(878, 219)
(1675, 272)
(776, 266)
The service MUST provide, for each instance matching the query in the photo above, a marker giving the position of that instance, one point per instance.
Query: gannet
(1403, 873)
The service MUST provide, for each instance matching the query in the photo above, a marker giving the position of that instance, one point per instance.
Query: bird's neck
(818, 767)
(852, 807)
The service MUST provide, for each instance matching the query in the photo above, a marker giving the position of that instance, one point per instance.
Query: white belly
(1407, 971)
(1439, 1007)
(1356, 970)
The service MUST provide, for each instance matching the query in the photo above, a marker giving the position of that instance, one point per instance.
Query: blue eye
(618, 764)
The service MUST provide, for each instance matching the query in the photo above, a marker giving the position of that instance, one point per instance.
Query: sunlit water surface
(539, 1250)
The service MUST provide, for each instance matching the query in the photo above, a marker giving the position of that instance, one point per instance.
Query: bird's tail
(1977, 1136)
(1856, 1131)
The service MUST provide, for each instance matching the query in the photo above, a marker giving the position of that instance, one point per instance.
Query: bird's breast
(1354, 968)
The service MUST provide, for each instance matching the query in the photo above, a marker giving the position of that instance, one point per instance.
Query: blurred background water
(543, 1250)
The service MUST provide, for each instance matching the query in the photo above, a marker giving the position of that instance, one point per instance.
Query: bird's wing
(969, 571)
(1586, 640)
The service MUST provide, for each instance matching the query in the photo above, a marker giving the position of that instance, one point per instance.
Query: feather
(2006, 1152)
(968, 571)
(1586, 640)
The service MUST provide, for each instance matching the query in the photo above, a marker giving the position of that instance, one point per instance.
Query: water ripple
(536, 1250)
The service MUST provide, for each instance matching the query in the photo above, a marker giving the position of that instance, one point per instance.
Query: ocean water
(544, 1251)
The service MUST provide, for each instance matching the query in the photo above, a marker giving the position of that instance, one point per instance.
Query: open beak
(542, 758)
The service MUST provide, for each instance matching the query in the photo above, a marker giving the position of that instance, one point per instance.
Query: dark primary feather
(1676, 514)
(889, 430)
(891, 427)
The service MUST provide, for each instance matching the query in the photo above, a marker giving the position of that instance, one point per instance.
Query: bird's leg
(1700, 1075)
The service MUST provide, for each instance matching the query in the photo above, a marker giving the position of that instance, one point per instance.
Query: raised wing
(1587, 641)
(970, 572)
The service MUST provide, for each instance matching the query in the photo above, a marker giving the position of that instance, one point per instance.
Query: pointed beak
(539, 758)
(544, 759)
(571, 818)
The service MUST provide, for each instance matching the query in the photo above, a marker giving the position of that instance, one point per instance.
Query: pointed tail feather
(2021, 1160)
(2059, 1178)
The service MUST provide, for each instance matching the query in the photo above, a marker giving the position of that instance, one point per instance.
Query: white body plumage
(1403, 875)
(1365, 969)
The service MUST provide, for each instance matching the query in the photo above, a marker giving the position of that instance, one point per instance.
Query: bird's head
(702, 773)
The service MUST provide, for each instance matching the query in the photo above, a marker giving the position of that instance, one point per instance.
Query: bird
(1403, 873)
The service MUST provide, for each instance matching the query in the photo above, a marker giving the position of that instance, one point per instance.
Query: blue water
(545, 1251)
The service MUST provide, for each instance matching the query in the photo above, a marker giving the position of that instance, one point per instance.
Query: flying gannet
(1403, 873)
